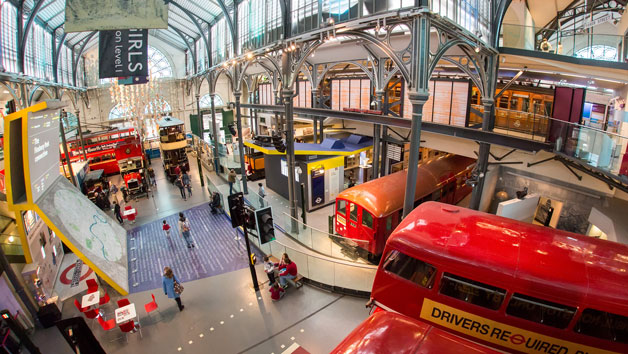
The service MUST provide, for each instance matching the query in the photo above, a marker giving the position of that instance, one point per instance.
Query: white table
(126, 313)
(90, 299)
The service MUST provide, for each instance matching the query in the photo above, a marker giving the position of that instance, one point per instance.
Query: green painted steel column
(237, 96)
(212, 96)
(419, 93)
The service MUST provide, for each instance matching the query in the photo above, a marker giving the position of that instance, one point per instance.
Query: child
(166, 228)
(276, 292)
(269, 268)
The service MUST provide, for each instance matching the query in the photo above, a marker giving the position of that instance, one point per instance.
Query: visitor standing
(166, 227)
(177, 171)
(184, 229)
(269, 268)
(172, 287)
(262, 194)
(179, 183)
(151, 175)
(187, 182)
(231, 179)
(116, 211)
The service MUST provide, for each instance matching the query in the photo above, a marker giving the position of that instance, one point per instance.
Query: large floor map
(88, 228)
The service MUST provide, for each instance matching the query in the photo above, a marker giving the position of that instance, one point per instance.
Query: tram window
(603, 325)
(525, 105)
(548, 108)
(367, 219)
(514, 101)
(410, 268)
(540, 311)
(389, 223)
(341, 208)
(472, 291)
(503, 102)
(353, 212)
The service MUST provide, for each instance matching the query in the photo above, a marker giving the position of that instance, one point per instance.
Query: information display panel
(43, 149)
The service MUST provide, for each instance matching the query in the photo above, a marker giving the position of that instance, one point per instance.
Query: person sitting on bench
(288, 270)
(215, 203)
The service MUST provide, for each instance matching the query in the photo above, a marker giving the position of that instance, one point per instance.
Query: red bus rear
(100, 149)
(389, 332)
(370, 211)
(505, 283)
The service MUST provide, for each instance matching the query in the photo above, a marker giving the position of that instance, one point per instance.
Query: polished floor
(223, 314)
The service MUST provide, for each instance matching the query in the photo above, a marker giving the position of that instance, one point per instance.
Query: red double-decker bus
(100, 149)
(505, 283)
(389, 332)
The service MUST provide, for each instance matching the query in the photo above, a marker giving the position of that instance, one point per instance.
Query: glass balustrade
(322, 242)
(574, 42)
(595, 147)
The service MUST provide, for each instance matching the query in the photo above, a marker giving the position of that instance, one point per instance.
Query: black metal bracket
(502, 157)
(530, 164)
(506, 163)
(579, 177)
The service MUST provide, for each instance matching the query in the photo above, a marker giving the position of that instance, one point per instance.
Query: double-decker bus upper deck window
(367, 219)
(603, 325)
(353, 212)
(410, 268)
(341, 208)
(472, 291)
(540, 311)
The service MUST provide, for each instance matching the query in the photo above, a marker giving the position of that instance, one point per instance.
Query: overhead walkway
(595, 152)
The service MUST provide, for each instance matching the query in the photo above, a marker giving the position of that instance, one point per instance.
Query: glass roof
(52, 15)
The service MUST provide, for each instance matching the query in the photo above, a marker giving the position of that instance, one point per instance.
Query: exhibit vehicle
(254, 162)
(505, 283)
(100, 149)
(371, 211)
(523, 109)
(131, 163)
(96, 187)
(389, 332)
(172, 144)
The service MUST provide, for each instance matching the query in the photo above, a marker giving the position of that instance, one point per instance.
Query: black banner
(123, 53)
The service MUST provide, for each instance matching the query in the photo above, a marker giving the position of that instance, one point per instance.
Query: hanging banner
(102, 15)
(123, 53)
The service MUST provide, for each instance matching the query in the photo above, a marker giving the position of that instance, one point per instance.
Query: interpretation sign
(100, 15)
(43, 149)
(123, 53)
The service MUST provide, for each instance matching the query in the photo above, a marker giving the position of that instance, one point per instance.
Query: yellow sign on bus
(499, 333)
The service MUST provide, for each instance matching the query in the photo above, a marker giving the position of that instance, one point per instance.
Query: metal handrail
(323, 232)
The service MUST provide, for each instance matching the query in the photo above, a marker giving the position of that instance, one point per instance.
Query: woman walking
(172, 287)
(184, 229)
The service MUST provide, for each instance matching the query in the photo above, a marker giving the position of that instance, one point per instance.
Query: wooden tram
(369, 212)
(173, 144)
(504, 283)
(520, 108)
(100, 149)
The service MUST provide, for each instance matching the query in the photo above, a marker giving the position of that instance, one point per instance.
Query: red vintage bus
(370, 211)
(506, 283)
(100, 148)
(389, 332)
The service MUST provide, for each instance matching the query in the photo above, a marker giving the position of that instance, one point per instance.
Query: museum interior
(313, 176)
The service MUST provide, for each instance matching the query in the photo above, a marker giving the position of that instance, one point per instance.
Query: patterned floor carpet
(216, 251)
